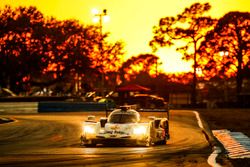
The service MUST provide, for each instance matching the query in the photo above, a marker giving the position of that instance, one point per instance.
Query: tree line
(218, 47)
(39, 51)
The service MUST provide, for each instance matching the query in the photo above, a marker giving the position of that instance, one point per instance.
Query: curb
(5, 120)
(211, 140)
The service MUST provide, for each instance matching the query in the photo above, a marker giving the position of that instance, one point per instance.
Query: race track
(53, 140)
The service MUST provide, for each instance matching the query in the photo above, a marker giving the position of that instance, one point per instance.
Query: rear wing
(155, 110)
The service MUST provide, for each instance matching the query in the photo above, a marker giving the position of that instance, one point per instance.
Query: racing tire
(91, 144)
(88, 144)
(162, 142)
(148, 142)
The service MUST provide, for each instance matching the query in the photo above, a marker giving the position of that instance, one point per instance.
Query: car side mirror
(103, 121)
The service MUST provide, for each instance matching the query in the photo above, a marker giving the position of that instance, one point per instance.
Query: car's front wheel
(87, 143)
(148, 142)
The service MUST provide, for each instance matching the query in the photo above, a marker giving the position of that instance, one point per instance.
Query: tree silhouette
(112, 56)
(69, 48)
(231, 36)
(20, 48)
(43, 52)
(109, 63)
(189, 27)
(142, 63)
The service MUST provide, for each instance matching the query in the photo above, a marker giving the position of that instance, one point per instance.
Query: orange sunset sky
(131, 21)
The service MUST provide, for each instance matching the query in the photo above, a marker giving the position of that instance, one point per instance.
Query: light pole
(100, 17)
(224, 53)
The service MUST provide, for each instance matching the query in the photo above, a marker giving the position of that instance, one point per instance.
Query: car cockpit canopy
(124, 115)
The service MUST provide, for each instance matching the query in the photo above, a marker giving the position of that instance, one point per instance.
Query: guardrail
(63, 106)
(52, 106)
(34, 98)
(71, 106)
(18, 107)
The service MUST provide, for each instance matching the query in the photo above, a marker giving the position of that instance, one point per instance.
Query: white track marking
(212, 158)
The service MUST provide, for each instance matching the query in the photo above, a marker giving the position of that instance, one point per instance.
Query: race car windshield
(122, 118)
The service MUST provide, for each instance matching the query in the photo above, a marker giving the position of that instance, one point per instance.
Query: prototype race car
(123, 126)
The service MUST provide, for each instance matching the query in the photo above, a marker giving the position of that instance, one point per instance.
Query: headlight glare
(140, 130)
(89, 129)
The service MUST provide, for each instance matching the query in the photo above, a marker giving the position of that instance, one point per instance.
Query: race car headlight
(140, 130)
(89, 129)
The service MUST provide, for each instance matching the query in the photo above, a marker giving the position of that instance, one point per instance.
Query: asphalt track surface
(54, 140)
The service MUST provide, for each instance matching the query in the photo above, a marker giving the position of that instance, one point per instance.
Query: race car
(124, 126)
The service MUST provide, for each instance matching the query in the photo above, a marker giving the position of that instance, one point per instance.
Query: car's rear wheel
(162, 142)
